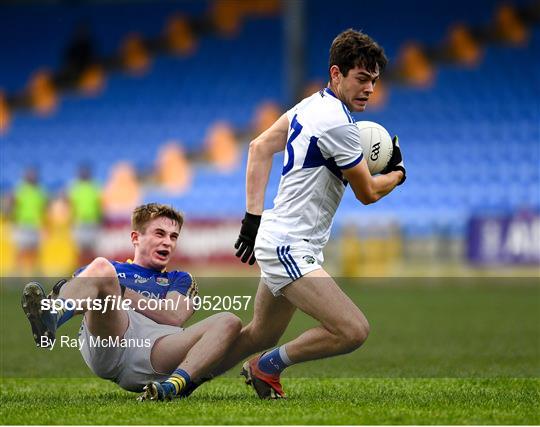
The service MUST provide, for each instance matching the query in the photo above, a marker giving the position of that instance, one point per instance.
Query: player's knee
(103, 270)
(354, 335)
(230, 323)
(100, 267)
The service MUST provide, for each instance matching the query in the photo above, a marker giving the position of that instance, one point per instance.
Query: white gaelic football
(376, 145)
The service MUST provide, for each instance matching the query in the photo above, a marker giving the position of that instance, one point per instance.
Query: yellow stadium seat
(463, 47)
(222, 147)
(173, 168)
(43, 93)
(122, 192)
(265, 115)
(414, 67)
(509, 26)
(135, 56)
(5, 115)
(180, 38)
(92, 80)
(227, 17)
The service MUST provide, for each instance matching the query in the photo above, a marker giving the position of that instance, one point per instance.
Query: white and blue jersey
(323, 140)
(152, 283)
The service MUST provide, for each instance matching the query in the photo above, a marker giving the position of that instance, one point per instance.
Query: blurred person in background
(85, 199)
(28, 206)
(58, 251)
(7, 247)
(121, 193)
(78, 55)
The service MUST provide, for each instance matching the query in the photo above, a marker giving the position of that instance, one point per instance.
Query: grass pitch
(440, 352)
(312, 401)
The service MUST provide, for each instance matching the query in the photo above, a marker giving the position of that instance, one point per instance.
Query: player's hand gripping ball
(382, 153)
(376, 145)
(396, 161)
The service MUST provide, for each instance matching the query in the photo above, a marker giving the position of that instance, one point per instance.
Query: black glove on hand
(246, 241)
(396, 161)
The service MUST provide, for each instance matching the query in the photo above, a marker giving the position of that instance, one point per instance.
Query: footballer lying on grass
(121, 338)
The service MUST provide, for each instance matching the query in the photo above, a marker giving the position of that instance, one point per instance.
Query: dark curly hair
(353, 48)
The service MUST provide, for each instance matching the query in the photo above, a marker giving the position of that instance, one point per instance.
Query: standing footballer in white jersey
(323, 154)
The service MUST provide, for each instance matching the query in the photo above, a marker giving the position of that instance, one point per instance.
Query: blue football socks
(63, 315)
(177, 382)
(274, 361)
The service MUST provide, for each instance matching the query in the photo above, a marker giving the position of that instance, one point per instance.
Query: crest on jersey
(309, 259)
(140, 279)
(162, 281)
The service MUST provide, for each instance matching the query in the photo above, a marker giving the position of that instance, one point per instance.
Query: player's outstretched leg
(42, 322)
(97, 281)
(192, 353)
(343, 329)
(271, 316)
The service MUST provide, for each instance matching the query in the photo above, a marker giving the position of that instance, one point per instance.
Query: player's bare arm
(369, 189)
(259, 163)
(173, 310)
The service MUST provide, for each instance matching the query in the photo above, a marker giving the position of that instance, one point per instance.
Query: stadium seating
(471, 141)
(23, 28)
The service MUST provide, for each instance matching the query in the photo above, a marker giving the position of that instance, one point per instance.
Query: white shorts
(130, 366)
(283, 262)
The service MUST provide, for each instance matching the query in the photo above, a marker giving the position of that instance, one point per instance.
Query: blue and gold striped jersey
(152, 283)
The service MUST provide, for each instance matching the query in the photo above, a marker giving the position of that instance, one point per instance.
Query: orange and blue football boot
(267, 386)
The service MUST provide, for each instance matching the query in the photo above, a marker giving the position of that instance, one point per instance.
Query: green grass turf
(452, 351)
(312, 401)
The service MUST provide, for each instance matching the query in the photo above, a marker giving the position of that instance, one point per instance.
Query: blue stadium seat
(471, 142)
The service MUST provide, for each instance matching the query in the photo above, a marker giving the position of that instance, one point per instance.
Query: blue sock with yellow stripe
(177, 382)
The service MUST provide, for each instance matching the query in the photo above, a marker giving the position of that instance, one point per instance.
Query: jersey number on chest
(296, 128)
